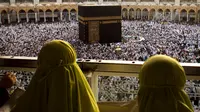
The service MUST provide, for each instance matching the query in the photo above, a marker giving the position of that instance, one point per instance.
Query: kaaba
(99, 23)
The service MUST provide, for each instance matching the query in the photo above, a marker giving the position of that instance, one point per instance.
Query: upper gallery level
(122, 2)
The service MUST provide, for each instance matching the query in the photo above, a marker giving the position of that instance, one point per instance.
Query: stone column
(77, 16)
(8, 18)
(53, 16)
(128, 15)
(45, 16)
(69, 17)
(100, 1)
(36, 20)
(187, 16)
(59, 1)
(36, 2)
(149, 15)
(61, 15)
(156, 1)
(0, 19)
(135, 14)
(172, 15)
(177, 2)
(18, 18)
(27, 18)
(12, 2)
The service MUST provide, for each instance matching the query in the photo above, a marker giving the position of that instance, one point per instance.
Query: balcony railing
(94, 68)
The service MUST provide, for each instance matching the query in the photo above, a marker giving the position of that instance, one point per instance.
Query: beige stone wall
(131, 11)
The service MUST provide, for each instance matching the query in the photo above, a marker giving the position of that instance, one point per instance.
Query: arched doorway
(22, 16)
(145, 14)
(152, 14)
(48, 15)
(13, 16)
(183, 15)
(41, 16)
(191, 16)
(65, 15)
(138, 14)
(175, 15)
(131, 14)
(31, 16)
(159, 15)
(73, 14)
(56, 15)
(124, 14)
(4, 17)
(167, 15)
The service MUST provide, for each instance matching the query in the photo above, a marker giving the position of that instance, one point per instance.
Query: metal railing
(94, 68)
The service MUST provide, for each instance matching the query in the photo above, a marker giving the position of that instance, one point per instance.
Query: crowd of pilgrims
(141, 39)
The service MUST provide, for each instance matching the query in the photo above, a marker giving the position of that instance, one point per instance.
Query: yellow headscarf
(162, 81)
(58, 84)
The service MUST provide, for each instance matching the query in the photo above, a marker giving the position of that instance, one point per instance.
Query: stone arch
(73, 14)
(152, 13)
(22, 15)
(65, 15)
(175, 15)
(183, 15)
(56, 15)
(160, 10)
(124, 13)
(159, 14)
(31, 15)
(191, 15)
(4, 17)
(138, 13)
(41, 15)
(13, 16)
(48, 13)
(167, 14)
(131, 14)
(145, 14)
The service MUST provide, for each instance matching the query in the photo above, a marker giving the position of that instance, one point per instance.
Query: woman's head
(161, 70)
(55, 53)
(58, 78)
(162, 81)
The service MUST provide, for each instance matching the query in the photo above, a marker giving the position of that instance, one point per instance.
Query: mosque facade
(44, 10)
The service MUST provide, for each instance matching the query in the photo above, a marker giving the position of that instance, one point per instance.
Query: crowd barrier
(94, 68)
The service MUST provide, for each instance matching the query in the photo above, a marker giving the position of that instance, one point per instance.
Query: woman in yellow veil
(58, 84)
(162, 80)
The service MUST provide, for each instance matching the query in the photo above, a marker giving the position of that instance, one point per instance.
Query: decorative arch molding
(130, 8)
(3, 10)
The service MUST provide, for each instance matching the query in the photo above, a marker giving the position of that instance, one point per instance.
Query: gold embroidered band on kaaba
(99, 18)
(102, 22)
(109, 22)
(82, 22)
